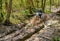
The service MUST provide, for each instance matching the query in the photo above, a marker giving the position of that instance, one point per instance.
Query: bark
(23, 34)
(58, 2)
(1, 15)
(37, 1)
(52, 2)
(7, 21)
(6, 5)
(50, 5)
(30, 5)
(44, 35)
(5, 30)
(43, 5)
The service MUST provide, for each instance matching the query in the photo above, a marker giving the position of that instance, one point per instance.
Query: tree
(37, 1)
(50, 5)
(1, 10)
(8, 8)
(52, 2)
(0, 6)
(6, 4)
(30, 5)
(43, 5)
(58, 2)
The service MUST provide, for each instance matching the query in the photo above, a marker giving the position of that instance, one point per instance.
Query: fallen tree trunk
(44, 35)
(22, 34)
(5, 30)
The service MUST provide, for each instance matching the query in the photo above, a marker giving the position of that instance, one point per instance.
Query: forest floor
(39, 32)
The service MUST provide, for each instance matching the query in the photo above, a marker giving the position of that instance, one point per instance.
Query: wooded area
(12, 8)
(19, 16)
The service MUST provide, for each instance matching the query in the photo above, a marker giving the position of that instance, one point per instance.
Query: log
(5, 30)
(22, 34)
(44, 35)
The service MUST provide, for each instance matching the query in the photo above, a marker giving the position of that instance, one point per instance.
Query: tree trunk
(0, 6)
(6, 5)
(58, 2)
(50, 5)
(7, 21)
(29, 4)
(52, 2)
(1, 10)
(30, 10)
(43, 5)
(37, 1)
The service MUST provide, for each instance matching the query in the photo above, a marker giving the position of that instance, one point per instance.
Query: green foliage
(2, 16)
(56, 38)
(47, 11)
(20, 9)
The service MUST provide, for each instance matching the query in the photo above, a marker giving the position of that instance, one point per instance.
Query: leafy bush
(56, 38)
